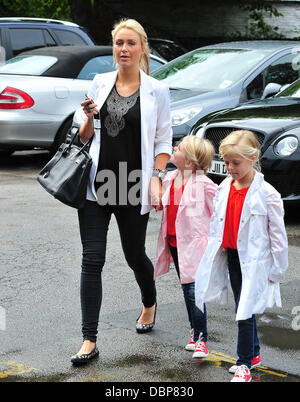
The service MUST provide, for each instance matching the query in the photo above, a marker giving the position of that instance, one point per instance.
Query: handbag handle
(88, 143)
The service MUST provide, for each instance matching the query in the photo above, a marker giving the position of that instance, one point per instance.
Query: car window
(292, 91)
(28, 65)
(167, 50)
(23, 39)
(97, 65)
(256, 87)
(155, 64)
(48, 38)
(68, 37)
(209, 69)
(2, 50)
(283, 71)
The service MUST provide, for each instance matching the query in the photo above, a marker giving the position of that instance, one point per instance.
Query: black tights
(94, 221)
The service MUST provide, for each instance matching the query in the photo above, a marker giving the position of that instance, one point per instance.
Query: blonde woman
(130, 150)
(247, 240)
(187, 207)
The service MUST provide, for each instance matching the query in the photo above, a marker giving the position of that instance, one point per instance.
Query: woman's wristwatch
(159, 173)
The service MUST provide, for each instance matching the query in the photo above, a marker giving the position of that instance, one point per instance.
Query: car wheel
(5, 153)
(61, 136)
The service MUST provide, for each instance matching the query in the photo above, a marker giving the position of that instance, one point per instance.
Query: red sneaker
(191, 343)
(200, 349)
(242, 374)
(256, 361)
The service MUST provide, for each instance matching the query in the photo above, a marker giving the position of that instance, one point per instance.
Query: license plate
(218, 167)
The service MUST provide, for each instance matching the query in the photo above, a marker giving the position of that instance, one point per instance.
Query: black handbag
(66, 175)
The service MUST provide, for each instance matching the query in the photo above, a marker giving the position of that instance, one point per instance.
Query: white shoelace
(242, 371)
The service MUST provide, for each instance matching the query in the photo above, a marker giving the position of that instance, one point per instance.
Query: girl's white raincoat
(262, 248)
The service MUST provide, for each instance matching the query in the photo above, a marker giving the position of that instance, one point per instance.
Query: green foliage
(58, 9)
(255, 25)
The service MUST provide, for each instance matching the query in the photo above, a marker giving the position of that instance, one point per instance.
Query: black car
(19, 34)
(276, 123)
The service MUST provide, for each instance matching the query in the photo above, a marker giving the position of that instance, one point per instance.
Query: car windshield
(28, 65)
(292, 91)
(209, 69)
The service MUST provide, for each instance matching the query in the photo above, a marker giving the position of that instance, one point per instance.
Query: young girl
(247, 239)
(187, 206)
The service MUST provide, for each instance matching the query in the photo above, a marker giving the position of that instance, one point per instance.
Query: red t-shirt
(172, 208)
(235, 204)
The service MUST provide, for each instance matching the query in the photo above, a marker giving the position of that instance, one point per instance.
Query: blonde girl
(247, 240)
(187, 207)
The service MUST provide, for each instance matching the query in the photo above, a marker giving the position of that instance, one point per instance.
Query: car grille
(216, 134)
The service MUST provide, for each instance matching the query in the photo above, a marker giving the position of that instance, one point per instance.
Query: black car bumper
(283, 174)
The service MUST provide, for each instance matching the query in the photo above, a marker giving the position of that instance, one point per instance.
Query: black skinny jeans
(94, 221)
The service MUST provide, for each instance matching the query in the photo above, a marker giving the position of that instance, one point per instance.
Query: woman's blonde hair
(242, 142)
(136, 27)
(198, 151)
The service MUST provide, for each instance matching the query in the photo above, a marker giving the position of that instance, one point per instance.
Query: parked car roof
(255, 44)
(70, 59)
(37, 20)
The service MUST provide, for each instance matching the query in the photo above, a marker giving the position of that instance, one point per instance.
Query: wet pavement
(39, 296)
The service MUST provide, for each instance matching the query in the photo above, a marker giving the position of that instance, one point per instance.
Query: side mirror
(270, 90)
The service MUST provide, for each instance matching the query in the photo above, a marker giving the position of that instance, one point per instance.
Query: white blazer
(262, 248)
(156, 129)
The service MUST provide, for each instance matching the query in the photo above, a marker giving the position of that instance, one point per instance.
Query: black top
(120, 151)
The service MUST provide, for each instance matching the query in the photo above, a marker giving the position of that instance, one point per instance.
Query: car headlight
(180, 116)
(286, 146)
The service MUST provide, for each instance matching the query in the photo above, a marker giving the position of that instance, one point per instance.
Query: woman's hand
(155, 192)
(86, 131)
(89, 107)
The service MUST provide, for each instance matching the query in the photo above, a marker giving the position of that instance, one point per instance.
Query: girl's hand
(155, 192)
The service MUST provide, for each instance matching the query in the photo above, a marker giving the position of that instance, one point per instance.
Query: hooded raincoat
(192, 225)
(262, 248)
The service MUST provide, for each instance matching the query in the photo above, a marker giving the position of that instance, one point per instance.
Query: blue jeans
(197, 319)
(248, 343)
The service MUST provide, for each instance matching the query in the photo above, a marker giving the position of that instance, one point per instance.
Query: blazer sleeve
(94, 88)
(278, 236)
(79, 116)
(163, 135)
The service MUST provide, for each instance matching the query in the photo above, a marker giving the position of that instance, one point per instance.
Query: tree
(255, 25)
(58, 9)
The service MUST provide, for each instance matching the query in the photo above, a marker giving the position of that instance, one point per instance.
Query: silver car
(223, 75)
(41, 89)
